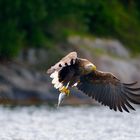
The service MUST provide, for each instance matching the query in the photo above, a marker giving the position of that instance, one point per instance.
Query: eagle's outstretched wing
(108, 90)
(63, 71)
(65, 61)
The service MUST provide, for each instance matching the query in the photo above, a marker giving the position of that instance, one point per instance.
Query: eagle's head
(88, 68)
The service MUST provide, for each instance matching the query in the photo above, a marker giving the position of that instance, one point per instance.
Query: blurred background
(34, 35)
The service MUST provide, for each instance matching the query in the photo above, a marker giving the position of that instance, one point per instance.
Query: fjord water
(68, 123)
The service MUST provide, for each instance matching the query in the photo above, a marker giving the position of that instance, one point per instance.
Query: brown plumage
(104, 87)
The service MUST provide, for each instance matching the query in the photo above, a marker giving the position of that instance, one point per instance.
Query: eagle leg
(65, 90)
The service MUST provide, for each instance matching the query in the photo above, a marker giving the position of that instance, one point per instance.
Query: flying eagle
(104, 87)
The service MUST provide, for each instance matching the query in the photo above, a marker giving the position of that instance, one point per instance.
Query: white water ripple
(68, 123)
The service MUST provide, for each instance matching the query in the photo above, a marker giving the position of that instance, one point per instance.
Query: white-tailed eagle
(104, 87)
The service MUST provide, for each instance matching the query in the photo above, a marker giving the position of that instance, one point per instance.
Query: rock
(126, 70)
(33, 56)
(21, 84)
(116, 48)
(106, 45)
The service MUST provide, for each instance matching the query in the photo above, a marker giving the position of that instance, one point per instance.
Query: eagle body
(104, 87)
(74, 71)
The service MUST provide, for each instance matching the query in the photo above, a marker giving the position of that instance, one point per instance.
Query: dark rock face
(23, 86)
(20, 84)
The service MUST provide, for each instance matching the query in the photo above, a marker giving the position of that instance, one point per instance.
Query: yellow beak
(94, 68)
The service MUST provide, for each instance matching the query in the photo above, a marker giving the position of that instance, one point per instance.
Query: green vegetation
(41, 23)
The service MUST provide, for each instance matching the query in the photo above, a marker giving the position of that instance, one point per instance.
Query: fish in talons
(63, 93)
(61, 98)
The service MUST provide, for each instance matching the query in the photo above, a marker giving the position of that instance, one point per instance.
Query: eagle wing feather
(65, 61)
(109, 91)
(62, 71)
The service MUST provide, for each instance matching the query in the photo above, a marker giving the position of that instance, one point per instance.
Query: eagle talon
(65, 90)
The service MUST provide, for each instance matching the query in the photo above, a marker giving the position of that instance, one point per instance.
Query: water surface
(68, 123)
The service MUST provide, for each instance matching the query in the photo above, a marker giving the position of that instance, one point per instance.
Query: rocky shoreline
(23, 84)
(20, 85)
